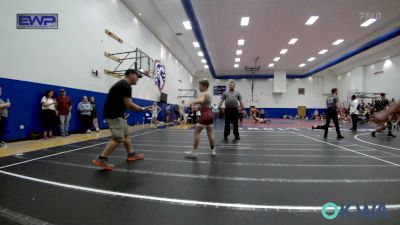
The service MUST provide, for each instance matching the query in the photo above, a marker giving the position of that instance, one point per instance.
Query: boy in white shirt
(354, 107)
(155, 109)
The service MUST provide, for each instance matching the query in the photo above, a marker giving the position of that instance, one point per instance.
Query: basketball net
(255, 98)
(151, 73)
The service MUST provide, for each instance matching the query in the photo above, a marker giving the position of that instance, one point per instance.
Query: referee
(332, 103)
(232, 99)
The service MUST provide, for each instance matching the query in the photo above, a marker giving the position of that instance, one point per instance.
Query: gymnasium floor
(273, 175)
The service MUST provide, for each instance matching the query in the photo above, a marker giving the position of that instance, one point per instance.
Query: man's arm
(337, 104)
(70, 105)
(241, 105)
(132, 106)
(222, 101)
(241, 101)
(5, 105)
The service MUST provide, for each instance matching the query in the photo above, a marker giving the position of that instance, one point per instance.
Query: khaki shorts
(119, 129)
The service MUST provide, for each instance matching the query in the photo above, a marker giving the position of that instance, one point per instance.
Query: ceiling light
(312, 20)
(311, 59)
(187, 25)
(236, 65)
(139, 14)
(271, 65)
(283, 51)
(276, 59)
(203, 61)
(302, 65)
(239, 52)
(338, 41)
(323, 51)
(387, 63)
(237, 59)
(205, 66)
(293, 41)
(244, 21)
(241, 42)
(368, 22)
(200, 53)
(196, 44)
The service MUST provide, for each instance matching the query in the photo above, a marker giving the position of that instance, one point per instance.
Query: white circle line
(185, 202)
(383, 146)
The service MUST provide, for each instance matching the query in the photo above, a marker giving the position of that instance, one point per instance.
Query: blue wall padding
(25, 108)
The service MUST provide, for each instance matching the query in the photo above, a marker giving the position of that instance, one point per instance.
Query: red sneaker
(134, 157)
(102, 163)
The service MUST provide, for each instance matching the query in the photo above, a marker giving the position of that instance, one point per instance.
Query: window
(162, 53)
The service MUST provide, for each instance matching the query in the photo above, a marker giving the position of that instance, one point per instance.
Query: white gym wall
(67, 56)
(263, 90)
(382, 76)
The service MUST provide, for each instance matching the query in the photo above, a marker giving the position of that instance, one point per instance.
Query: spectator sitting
(316, 115)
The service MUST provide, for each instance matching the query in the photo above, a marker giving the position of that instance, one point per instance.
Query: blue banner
(218, 90)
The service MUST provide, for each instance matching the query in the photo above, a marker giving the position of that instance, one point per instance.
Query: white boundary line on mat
(185, 202)
(383, 146)
(370, 156)
(64, 152)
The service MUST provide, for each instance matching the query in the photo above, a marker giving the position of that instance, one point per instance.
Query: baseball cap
(133, 71)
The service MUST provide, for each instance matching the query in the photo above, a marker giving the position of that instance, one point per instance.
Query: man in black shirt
(232, 100)
(118, 100)
(332, 105)
(381, 104)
